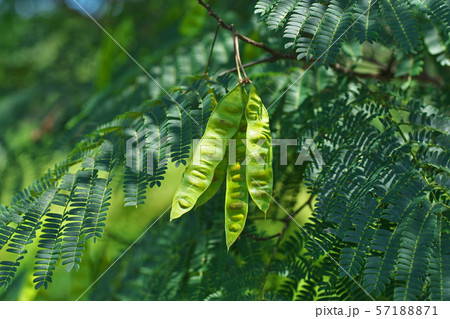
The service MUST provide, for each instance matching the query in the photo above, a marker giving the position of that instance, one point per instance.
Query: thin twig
(250, 64)
(385, 75)
(275, 248)
(243, 37)
(205, 73)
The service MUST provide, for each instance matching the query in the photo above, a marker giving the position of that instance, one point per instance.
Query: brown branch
(244, 38)
(437, 80)
(386, 74)
(247, 65)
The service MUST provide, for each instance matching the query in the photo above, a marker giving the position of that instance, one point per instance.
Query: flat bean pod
(236, 197)
(222, 125)
(259, 152)
(218, 178)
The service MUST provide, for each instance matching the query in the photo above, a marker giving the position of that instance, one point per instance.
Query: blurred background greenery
(61, 76)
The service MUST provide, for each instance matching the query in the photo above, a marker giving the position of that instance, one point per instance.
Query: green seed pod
(259, 152)
(222, 125)
(236, 197)
(219, 177)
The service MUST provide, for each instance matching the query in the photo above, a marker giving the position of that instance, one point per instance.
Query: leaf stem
(239, 66)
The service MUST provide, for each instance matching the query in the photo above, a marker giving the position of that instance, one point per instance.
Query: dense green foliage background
(60, 76)
(378, 112)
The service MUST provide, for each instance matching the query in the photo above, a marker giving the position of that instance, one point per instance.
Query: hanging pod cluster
(239, 126)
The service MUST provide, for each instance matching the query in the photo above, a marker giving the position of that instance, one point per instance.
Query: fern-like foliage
(50, 241)
(438, 11)
(317, 29)
(366, 26)
(404, 27)
(381, 212)
(379, 227)
(69, 205)
(377, 195)
(279, 13)
(196, 241)
(24, 234)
